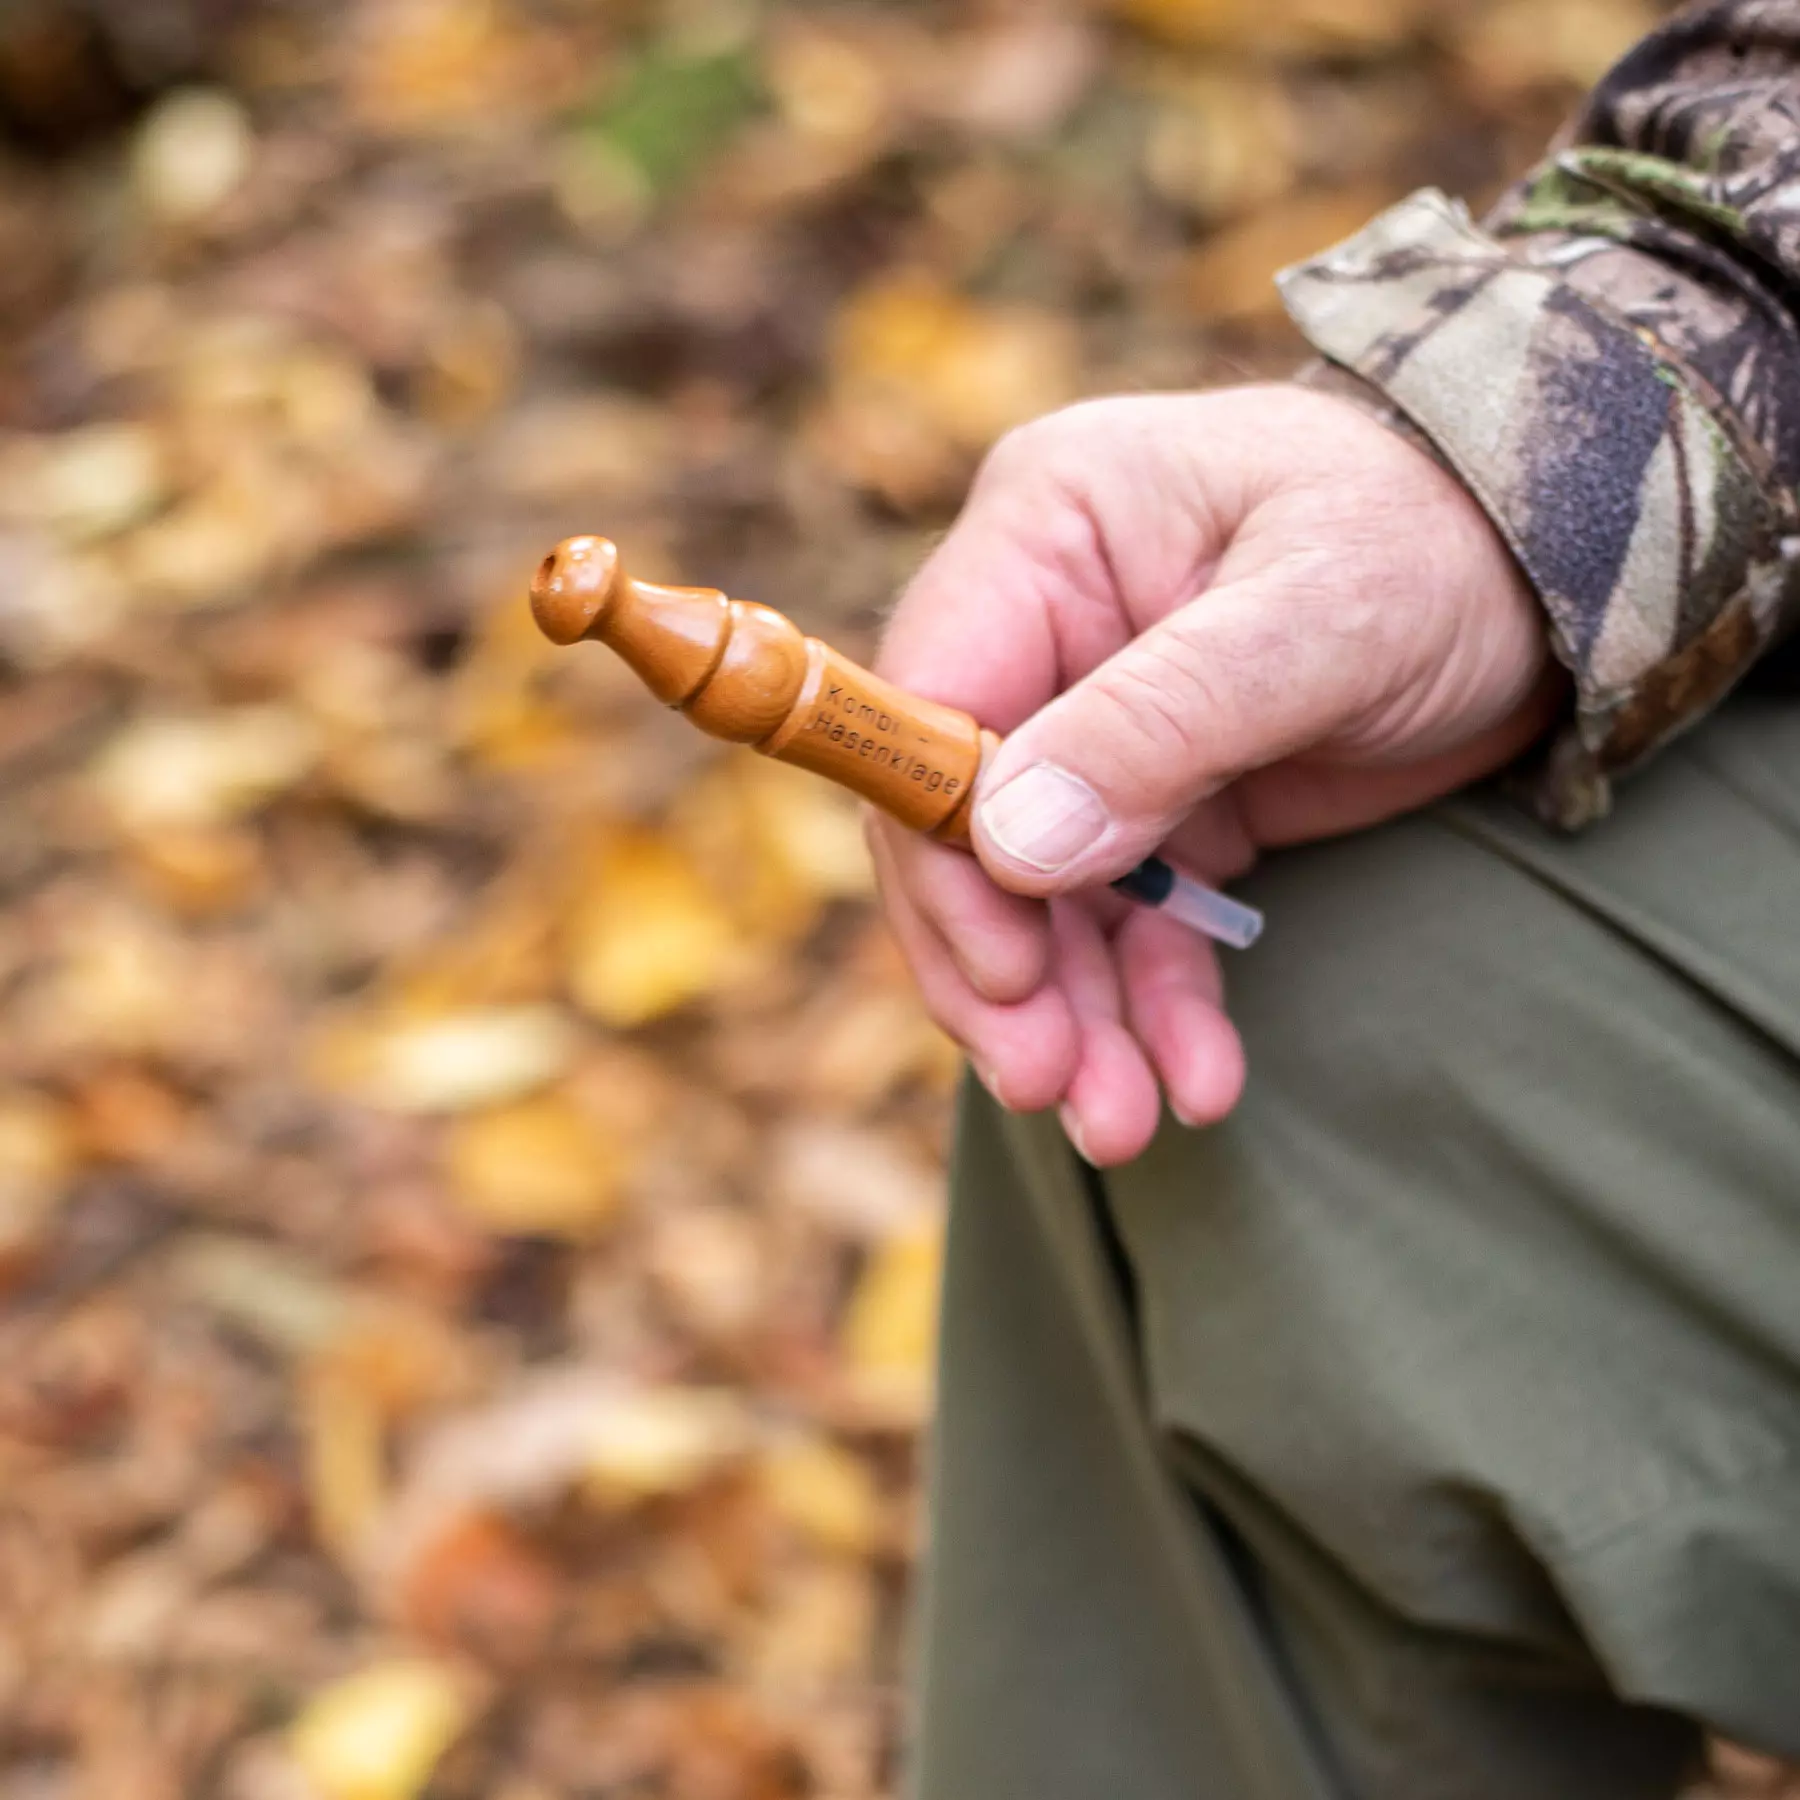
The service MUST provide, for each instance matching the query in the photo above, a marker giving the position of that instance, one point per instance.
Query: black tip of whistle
(1150, 883)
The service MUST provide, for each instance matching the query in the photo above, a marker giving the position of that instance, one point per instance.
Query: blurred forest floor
(469, 1159)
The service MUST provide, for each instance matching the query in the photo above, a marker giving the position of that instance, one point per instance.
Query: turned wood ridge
(747, 674)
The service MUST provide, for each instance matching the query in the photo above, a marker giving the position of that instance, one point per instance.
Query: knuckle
(1051, 446)
(1163, 706)
(1021, 453)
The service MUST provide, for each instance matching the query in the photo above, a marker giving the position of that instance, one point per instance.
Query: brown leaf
(1232, 276)
(1287, 25)
(478, 1586)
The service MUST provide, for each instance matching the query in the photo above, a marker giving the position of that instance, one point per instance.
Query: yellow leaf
(651, 934)
(454, 1062)
(972, 371)
(37, 1142)
(379, 1361)
(818, 1631)
(122, 984)
(776, 842)
(402, 1356)
(378, 1734)
(824, 1493)
(85, 484)
(205, 770)
(830, 88)
(343, 1433)
(652, 1441)
(811, 827)
(431, 65)
(897, 326)
(890, 1331)
(1007, 365)
(539, 1166)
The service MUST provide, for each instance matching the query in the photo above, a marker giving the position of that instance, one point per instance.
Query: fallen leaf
(646, 1442)
(1231, 277)
(603, 450)
(824, 1493)
(199, 871)
(1283, 25)
(819, 1631)
(122, 1114)
(557, 1431)
(38, 1157)
(477, 1585)
(378, 1734)
(830, 86)
(203, 770)
(890, 1330)
(859, 1182)
(427, 66)
(775, 842)
(1569, 43)
(120, 985)
(650, 935)
(274, 1295)
(469, 367)
(213, 546)
(708, 1264)
(454, 1062)
(343, 1431)
(539, 1166)
(192, 153)
(1224, 144)
(87, 484)
(971, 370)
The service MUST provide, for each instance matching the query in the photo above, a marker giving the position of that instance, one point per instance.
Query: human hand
(1213, 623)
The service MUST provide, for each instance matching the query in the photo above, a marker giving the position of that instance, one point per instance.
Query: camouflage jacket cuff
(1662, 546)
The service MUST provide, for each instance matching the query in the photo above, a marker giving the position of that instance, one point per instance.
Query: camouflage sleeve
(1612, 363)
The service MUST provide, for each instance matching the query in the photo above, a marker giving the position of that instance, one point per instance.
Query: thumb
(1089, 786)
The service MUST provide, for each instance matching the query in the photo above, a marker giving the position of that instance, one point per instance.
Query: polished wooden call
(745, 673)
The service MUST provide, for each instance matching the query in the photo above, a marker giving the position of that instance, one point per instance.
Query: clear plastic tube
(1221, 918)
(1161, 885)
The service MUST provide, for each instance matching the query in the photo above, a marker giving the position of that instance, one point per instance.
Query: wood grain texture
(747, 674)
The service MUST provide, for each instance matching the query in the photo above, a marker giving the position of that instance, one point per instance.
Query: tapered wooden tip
(574, 586)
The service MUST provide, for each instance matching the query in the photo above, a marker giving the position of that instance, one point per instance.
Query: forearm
(1613, 366)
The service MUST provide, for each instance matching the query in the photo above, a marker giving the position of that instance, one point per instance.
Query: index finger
(971, 630)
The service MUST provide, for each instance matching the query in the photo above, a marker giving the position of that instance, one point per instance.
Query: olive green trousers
(1432, 1427)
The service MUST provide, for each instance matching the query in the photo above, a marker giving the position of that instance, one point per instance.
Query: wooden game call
(745, 673)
